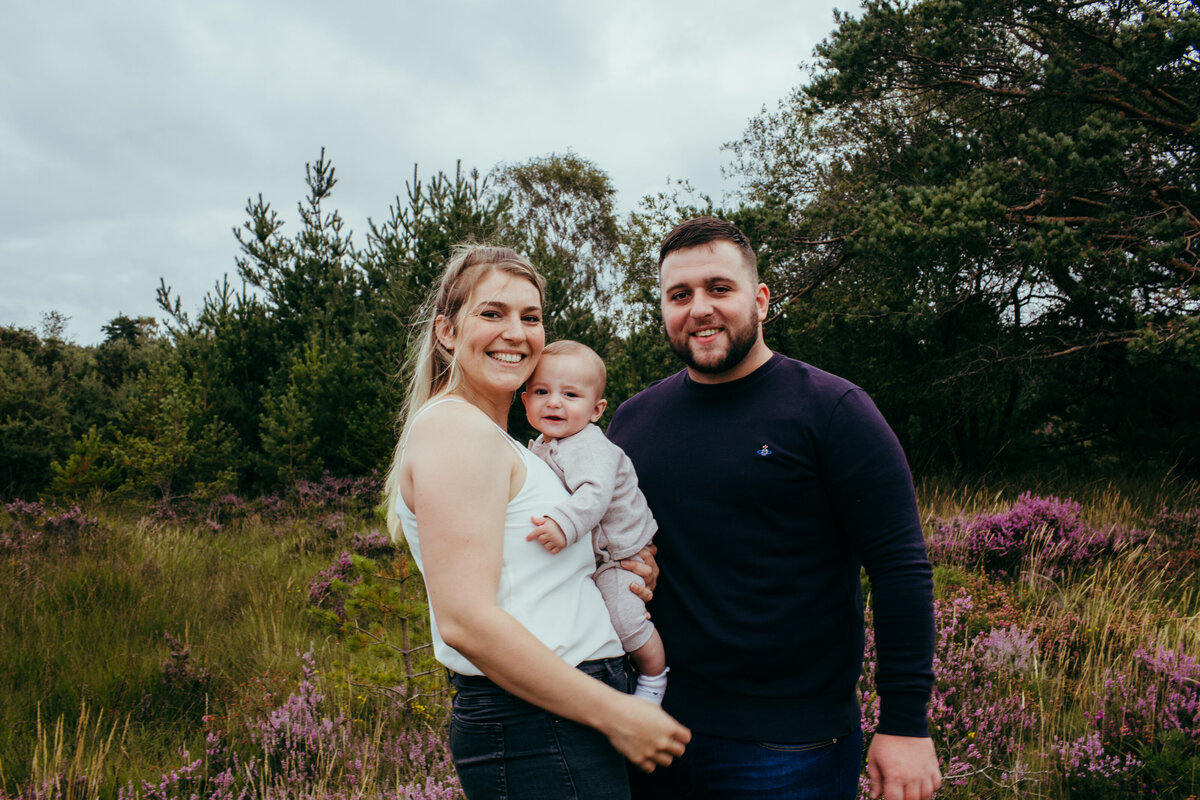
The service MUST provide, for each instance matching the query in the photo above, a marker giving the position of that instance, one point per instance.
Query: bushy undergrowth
(279, 647)
(1048, 532)
(46, 528)
(184, 624)
(1008, 723)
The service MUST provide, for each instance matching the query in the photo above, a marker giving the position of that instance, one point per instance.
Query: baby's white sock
(652, 687)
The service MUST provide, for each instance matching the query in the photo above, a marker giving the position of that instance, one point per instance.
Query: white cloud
(132, 132)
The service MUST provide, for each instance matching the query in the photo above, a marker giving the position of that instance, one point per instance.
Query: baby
(563, 398)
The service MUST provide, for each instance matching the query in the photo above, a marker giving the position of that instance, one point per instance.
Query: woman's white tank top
(553, 596)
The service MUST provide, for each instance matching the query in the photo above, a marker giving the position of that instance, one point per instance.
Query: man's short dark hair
(706, 230)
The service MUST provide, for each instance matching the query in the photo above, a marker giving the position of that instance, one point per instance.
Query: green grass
(1107, 499)
(83, 647)
(87, 629)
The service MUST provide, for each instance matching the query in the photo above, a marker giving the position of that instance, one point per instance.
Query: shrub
(182, 689)
(1177, 538)
(350, 495)
(1046, 531)
(374, 545)
(325, 590)
(986, 711)
(38, 528)
(297, 734)
(301, 747)
(226, 509)
(1159, 692)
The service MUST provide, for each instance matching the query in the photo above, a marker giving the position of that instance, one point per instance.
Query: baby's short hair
(569, 347)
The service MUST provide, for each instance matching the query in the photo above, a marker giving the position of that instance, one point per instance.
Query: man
(772, 482)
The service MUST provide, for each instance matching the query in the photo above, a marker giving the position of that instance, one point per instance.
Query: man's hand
(647, 569)
(548, 533)
(902, 767)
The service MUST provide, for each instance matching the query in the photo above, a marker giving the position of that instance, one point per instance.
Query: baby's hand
(549, 534)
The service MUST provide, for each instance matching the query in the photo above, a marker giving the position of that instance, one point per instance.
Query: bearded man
(773, 482)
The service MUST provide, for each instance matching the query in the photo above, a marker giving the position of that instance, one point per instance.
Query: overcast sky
(132, 133)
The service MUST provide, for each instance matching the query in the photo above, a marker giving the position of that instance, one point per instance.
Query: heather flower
(1158, 692)
(271, 506)
(1177, 537)
(36, 527)
(1010, 649)
(352, 495)
(25, 510)
(179, 782)
(1086, 757)
(334, 523)
(1175, 529)
(1048, 531)
(22, 533)
(987, 722)
(225, 510)
(979, 713)
(162, 511)
(69, 527)
(322, 589)
(373, 544)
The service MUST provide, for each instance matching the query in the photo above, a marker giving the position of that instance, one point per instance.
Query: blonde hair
(432, 366)
(570, 347)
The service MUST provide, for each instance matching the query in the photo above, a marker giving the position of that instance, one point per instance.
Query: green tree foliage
(50, 393)
(124, 351)
(406, 253)
(989, 207)
(405, 256)
(297, 370)
(302, 362)
(563, 213)
(310, 282)
(63, 407)
(34, 418)
(643, 355)
(326, 407)
(89, 469)
(563, 207)
(230, 348)
(166, 444)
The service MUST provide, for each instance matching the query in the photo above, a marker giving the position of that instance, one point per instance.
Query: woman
(510, 620)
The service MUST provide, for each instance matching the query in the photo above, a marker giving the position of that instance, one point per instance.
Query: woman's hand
(645, 734)
(647, 568)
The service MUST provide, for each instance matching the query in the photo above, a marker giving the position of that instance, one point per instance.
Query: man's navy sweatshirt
(770, 492)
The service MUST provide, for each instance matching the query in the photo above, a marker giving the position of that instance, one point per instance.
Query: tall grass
(265, 652)
(1073, 631)
(1115, 500)
(74, 766)
(162, 623)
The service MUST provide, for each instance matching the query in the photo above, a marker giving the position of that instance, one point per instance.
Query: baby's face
(562, 396)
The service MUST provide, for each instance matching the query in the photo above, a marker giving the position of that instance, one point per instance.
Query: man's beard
(741, 342)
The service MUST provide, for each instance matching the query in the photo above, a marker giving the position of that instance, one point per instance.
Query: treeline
(986, 214)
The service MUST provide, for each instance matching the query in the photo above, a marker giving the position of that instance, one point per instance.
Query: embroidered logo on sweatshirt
(764, 450)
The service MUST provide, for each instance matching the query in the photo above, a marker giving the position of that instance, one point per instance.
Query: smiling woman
(497, 341)
(533, 655)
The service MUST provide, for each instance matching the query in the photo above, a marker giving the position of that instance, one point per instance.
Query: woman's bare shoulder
(455, 457)
(451, 426)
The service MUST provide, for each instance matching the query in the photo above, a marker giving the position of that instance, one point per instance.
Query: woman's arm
(463, 474)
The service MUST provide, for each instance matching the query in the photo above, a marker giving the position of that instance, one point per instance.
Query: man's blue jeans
(730, 769)
(507, 749)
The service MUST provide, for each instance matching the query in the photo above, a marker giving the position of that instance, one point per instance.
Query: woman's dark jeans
(507, 749)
